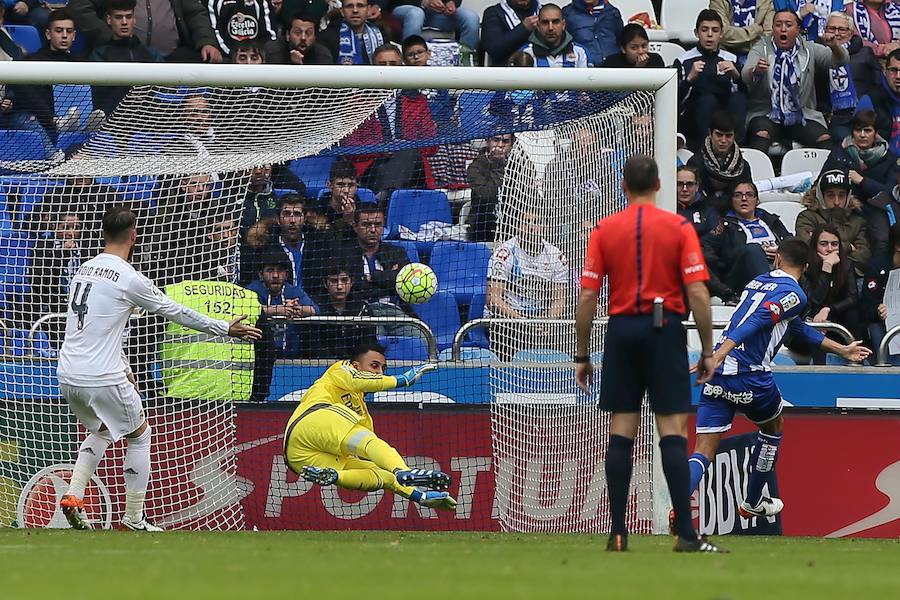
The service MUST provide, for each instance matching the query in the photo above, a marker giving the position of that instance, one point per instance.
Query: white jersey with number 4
(102, 295)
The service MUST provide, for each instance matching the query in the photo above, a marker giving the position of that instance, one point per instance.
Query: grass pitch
(39, 564)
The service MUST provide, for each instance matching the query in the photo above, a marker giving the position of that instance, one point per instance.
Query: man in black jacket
(298, 45)
(180, 30)
(373, 264)
(505, 28)
(123, 47)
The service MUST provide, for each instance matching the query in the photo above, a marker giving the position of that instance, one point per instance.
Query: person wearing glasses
(884, 99)
(839, 94)
(745, 243)
(692, 203)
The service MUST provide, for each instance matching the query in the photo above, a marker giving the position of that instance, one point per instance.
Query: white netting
(549, 440)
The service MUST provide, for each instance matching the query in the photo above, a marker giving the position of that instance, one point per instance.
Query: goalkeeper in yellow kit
(330, 439)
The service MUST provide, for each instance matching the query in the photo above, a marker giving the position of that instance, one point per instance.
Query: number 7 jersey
(768, 311)
(102, 296)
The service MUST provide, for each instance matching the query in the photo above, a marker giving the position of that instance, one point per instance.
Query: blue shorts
(754, 394)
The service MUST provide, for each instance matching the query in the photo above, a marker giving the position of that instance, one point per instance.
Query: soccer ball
(416, 283)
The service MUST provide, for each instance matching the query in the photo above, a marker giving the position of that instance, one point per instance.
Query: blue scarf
(864, 25)
(743, 13)
(843, 90)
(786, 109)
(349, 50)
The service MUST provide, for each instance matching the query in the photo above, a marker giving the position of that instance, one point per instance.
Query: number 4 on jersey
(79, 302)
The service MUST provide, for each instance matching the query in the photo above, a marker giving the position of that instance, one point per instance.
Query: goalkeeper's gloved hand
(409, 377)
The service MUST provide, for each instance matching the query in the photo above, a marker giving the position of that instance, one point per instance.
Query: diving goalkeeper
(330, 438)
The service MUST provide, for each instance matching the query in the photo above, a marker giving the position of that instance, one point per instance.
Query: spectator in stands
(85, 198)
(290, 236)
(634, 50)
(56, 260)
(596, 25)
(550, 45)
(340, 200)
(279, 340)
(335, 340)
(408, 13)
(316, 221)
(839, 95)
(224, 254)
(872, 166)
(9, 48)
(692, 203)
(884, 99)
(829, 201)
(35, 103)
(872, 306)
(245, 21)
(528, 278)
(447, 15)
(780, 75)
(374, 264)
(881, 212)
(317, 9)
(408, 117)
(878, 23)
(247, 53)
(708, 81)
(719, 161)
(830, 282)
(123, 46)
(29, 12)
(298, 45)
(485, 176)
(506, 26)
(350, 39)
(260, 202)
(180, 30)
(415, 51)
(744, 22)
(744, 244)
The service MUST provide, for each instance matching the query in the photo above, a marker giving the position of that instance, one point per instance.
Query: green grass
(70, 565)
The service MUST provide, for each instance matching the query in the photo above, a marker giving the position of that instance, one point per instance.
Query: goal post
(564, 167)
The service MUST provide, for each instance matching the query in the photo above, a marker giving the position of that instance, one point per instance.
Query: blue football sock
(762, 462)
(698, 465)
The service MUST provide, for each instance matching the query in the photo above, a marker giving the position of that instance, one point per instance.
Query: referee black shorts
(639, 358)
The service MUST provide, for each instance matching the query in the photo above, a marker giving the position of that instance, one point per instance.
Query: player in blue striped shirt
(769, 310)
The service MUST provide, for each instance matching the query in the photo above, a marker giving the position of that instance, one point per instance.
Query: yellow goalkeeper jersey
(345, 386)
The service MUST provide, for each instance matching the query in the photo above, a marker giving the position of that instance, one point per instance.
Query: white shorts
(118, 407)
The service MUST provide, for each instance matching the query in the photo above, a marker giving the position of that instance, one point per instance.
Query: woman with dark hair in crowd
(634, 50)
(745, 243)
(830, 283)
(872, 166)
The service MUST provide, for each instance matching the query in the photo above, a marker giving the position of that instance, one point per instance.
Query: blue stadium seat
(541, 355)
(67, 139)
(21, 145)
(66, 96)
(442, 315)
(151, 142)
(26, 36)
(400, 347)
(279, 192)
(473, 110)
(15, 343)
(411, 250)
(312, 170)
(411, 208)
(461, 267)
(478, 336)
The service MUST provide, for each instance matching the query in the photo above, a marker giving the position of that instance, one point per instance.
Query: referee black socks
(673, 449)
(618, 478)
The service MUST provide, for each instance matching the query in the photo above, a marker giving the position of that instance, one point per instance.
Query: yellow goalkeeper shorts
(314, 438)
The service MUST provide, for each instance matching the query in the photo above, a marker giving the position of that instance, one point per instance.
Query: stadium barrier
(885, 346)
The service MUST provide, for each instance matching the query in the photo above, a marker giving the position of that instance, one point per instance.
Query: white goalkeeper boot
(767, 507)
(142, 525)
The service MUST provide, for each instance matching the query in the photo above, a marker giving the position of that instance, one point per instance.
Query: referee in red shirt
(650, 256)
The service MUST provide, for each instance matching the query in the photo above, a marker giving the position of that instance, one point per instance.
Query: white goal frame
(663, 83)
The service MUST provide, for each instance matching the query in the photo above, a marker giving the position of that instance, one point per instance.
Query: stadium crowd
(764, 77)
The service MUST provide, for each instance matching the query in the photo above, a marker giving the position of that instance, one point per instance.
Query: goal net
(242, 205)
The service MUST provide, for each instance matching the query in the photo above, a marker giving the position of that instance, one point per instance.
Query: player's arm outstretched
(356, 380)
(852, 352)
(149, 297)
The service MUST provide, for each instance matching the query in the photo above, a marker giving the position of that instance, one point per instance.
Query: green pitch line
(367, 565)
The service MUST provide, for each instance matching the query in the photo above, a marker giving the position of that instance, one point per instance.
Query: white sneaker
(142, 525)
(767, 507)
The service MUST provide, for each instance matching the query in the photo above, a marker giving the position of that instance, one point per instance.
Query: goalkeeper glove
(409, 377)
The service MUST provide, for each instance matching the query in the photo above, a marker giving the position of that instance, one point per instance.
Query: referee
(650, 256)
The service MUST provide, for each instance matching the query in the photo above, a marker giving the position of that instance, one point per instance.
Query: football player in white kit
(94, 375)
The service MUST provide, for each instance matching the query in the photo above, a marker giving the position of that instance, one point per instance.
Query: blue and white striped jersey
(767, 312)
